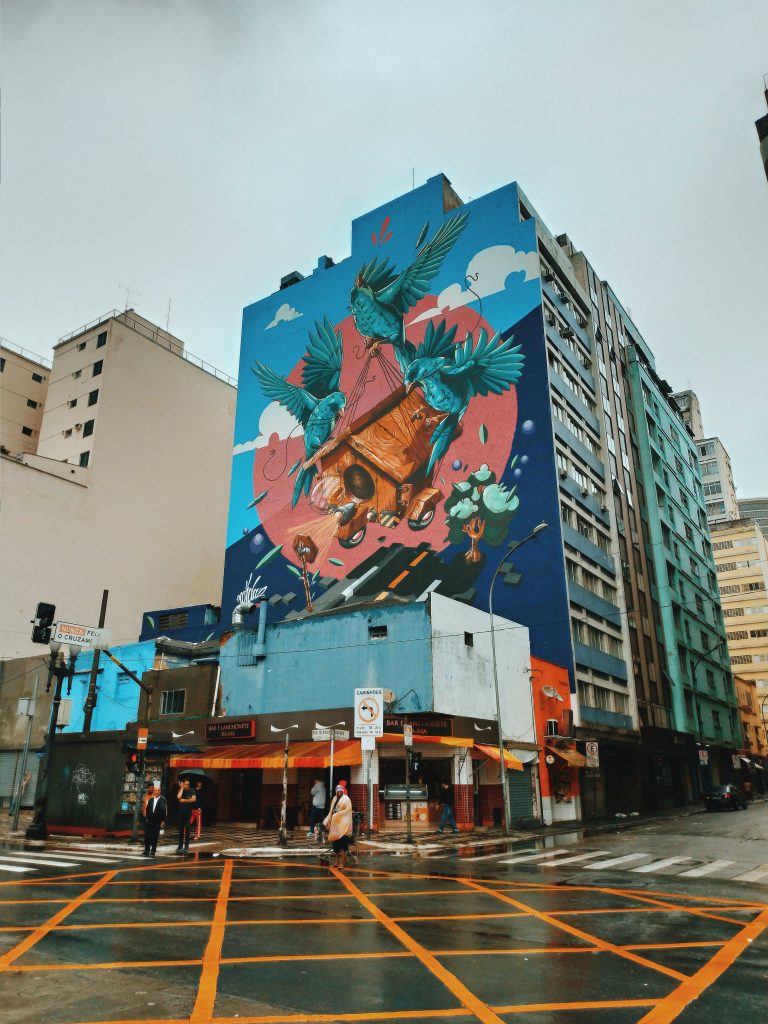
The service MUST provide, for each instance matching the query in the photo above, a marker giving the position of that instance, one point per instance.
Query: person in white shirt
(317, 807)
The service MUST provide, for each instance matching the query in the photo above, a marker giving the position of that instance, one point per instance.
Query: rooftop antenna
(168, 316)
(128, 293)
(413, 178)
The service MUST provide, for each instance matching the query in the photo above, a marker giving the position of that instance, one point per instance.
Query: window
(738, 634)
(93, 397)
(31, 403)
(758, 632)
(721, 545)
(37, 378)
(741, 659)
(81, 346)
(172, 702)
(27, 431)
(2, 363)
(469, 639)
(84, 457)
(88, 428)
(377, 632)
(72, 403)
(101, 341)
(725, 567)
(713, 488)
(97, 367)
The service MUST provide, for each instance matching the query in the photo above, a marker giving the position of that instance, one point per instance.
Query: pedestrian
(446, 799)
(338, 825)
(746, 788)
(196, 818)
(187, 800)
(155, 815)
(317, 807)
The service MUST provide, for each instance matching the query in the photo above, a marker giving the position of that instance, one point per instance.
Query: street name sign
(369, 711)
(75, 635)
(319, 735)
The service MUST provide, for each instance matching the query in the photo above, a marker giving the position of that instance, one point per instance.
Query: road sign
(407, 735)
(593, 754)
(141, 738)
(319, 735)
(369, 711)
(76, 636)
(703, 757)
(367, 742)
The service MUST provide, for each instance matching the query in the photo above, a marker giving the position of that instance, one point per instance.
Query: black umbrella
(196, 773)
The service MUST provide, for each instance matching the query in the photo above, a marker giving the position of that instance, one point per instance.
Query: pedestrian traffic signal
(134, 763)
(42, 622)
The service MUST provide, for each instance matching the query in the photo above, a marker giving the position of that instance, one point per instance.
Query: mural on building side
(378, 411)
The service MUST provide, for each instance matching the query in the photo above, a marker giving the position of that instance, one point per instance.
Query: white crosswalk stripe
(526, 858)
(616, 862)
(15, 868)
(578, 857)
(25, 858)
(705, 869)
(753, 876)
(659, 865)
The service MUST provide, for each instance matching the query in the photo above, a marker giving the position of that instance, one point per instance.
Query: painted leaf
(384, 226)
(150, 620)
(209, 637)
(335, 561)
(422, 235)
(386, 237)
(257, 499)
(442, 479)
(293, 468)
(373, 238)
(294, 570)
(270, 556)
(483, 432)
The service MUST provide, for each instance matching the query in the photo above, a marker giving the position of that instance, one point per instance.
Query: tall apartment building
(715, 463)
(741, 554)
(23, 387)
(126, 490)
(755, 509)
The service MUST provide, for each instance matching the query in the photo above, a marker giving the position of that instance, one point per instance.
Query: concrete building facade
(24, 379)
(755, 509)
(134, 436)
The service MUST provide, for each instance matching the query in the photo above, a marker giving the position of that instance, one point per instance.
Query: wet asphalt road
(461, 939)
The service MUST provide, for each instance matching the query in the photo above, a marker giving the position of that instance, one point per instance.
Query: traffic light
(135, 763)
(42, 622)
(414, 762)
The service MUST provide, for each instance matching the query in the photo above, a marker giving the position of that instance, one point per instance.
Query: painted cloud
(285, 313)
(487, 274)
(275, 419)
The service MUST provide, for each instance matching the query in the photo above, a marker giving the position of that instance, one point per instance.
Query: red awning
(270, 755)
(510, 761)
(571, 757)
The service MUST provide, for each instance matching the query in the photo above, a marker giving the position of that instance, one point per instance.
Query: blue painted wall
(316, 663)
(117, 694)
(202, 623)
(489, 278)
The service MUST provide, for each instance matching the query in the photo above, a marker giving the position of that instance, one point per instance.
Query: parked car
(725, 798)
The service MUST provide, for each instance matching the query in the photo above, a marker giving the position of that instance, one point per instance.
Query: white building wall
(462, 676)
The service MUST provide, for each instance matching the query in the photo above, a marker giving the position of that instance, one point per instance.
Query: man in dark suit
(155, 815)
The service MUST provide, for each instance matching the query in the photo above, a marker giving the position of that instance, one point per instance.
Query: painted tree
(481, 509)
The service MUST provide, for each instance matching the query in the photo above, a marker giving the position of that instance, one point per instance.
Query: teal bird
(381, 297)
(448, 385)
(318, 405)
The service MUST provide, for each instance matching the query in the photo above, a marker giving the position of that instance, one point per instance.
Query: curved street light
(502, 769)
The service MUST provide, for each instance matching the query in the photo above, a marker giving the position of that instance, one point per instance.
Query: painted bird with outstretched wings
(318, 405)
(381, 297)
(449, 381)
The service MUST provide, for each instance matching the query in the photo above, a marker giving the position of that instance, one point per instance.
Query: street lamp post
(332, 730)
(58, 669)
(703, 775)
(502, 770)
(283, 831)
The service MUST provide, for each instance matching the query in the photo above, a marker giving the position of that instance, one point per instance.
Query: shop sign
(224, 730)
(419, 726)
(141, 738)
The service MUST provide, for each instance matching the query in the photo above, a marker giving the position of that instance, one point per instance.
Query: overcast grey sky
(197, 150)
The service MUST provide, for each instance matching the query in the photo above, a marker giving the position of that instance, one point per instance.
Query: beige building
(752, 721)
(23, 387)
(741, 556)
(128, 488)
(714, 460)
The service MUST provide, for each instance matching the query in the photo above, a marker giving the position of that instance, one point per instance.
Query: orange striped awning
(270, 755)
(510, 761)
(478, 749)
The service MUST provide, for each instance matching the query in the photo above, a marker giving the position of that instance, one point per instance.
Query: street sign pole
(20, 790)
(330, 769)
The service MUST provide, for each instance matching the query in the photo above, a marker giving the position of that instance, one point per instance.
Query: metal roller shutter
(521, 795)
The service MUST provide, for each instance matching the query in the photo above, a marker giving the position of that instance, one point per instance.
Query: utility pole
(20, 790)
(90, 700)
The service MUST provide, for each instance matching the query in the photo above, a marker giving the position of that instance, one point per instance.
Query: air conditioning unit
(563, 474)
(566, 332)
(548, 274)
(553, 727)
(584, 491)
(603, 508)
(78, 426)
(551, 320)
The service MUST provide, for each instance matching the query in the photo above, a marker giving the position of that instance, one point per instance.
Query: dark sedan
(725, 798)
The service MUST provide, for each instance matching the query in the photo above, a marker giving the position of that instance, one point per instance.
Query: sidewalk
(241, 836)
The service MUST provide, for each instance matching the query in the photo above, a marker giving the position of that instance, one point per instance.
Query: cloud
(487, 274)
(275, 419)
(285, 313)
